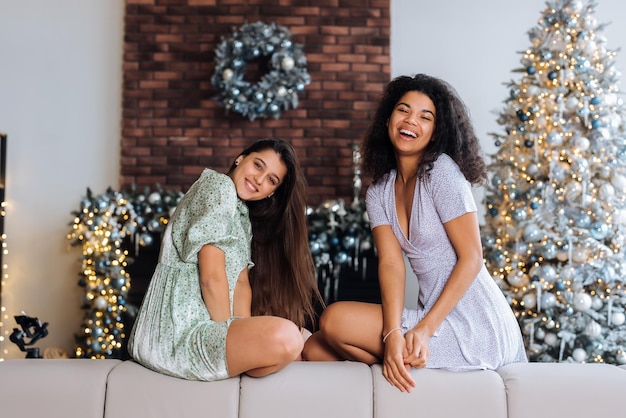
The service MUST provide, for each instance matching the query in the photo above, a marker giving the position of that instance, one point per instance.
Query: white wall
(60, 104)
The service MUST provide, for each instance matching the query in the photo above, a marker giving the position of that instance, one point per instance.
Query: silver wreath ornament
(277, 89)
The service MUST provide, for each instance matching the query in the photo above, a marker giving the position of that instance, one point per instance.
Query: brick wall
(172, 128)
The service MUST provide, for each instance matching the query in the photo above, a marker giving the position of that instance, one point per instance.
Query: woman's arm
(213, 282)
(242, 299)
(464, 235)
(392, 278)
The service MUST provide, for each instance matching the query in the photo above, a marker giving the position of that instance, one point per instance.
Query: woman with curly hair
(423, 156)
(235, 283)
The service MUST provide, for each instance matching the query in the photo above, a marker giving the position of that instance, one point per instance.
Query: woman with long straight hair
(235, 284)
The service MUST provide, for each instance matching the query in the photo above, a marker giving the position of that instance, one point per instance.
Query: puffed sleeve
(205, 216)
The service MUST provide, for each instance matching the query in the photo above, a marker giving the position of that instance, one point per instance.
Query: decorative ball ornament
(618, 318)
(551, 339)
(548, 300)
(540, 333)
(530, 301)
(582, 302)
(593, 329)
(579, 355)
(100, 303)
(517, 278)
(277, 89)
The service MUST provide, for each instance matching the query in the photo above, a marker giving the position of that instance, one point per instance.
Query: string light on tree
(556, 210)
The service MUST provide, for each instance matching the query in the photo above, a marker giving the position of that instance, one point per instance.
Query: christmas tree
(556, 204)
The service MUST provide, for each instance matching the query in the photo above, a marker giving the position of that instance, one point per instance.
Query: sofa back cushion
(310, 390)
(441, 393)
(137, 392)
(68, 388)
(564, 390)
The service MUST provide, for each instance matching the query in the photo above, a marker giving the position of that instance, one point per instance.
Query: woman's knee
(287, 340)
(332, 318)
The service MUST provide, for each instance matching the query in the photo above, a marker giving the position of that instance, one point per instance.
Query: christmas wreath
(277, 89)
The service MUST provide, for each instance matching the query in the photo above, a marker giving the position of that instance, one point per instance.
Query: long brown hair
(283, 279)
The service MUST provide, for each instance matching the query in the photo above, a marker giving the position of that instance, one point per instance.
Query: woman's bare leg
(262, 345)
(316, 349)
(348, 331)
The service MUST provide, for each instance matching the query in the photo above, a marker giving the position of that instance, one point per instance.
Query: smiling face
(412, 123)
(258, 174)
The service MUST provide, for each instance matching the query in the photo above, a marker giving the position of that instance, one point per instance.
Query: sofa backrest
(134, 391)
(73, 388)
(472, 394)
(310, 390)
(564, 390)
(53, 387)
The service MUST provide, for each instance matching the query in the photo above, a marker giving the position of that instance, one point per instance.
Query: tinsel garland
(277, 89)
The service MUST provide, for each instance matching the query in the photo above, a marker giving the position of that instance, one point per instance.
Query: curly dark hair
(453, 133)
(283, 280)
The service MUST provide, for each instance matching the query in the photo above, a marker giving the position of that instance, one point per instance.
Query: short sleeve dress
(481, 332)
(173, 333)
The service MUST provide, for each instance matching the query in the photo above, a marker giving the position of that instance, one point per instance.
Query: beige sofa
(115, 389)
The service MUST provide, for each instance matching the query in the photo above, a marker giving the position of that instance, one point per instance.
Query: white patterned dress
(481, 331)
(173, 333)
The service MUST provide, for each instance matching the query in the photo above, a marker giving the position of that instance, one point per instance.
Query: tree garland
(277, 89)
(100, 227)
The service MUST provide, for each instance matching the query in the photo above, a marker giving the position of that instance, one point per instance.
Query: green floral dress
(173, 332)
